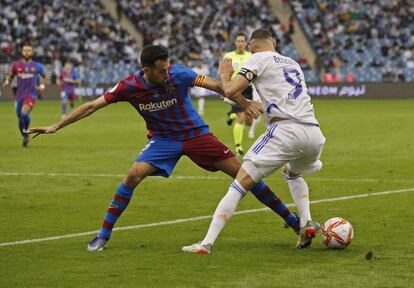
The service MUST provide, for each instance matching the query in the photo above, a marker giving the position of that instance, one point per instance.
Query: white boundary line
(2, 173)
(172, 222)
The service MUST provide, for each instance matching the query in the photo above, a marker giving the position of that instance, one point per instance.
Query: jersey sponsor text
(156, 106)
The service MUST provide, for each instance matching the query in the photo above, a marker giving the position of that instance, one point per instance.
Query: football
(337, 233)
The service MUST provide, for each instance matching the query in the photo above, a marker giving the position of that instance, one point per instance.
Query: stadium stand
(80, 30)
(84, 32)
(356, 41)
(202, 29)
(373, 40)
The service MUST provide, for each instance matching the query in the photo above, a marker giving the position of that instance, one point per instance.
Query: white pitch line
(172, 222)
(101, 175)
(194, 177)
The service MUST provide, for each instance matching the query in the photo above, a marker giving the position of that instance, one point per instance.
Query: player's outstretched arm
(216, 86)
(8, 80)
(79, 113)
(233, 89)
(45, 80)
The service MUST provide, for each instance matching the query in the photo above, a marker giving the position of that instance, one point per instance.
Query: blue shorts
(205, 151)
(29, 100)
(68, 96)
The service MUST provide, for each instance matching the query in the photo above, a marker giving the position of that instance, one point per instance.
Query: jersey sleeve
(117, 93)
(75, 75)
(13, 69)
(253, 67)
(40, 69)
(186, 75)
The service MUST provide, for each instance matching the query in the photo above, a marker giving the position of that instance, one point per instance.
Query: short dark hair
(240, 34)
(151, 53)
(26, 44)
(261, 33)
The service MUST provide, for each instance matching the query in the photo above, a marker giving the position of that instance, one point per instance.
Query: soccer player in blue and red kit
(27, 72)
(159, 93)
(68, 79)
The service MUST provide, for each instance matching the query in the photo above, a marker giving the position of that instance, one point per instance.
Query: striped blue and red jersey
(167, 110)
(27, 78)
(67, 86)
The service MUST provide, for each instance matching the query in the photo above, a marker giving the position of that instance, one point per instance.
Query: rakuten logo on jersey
(156, 106)
(25, 75)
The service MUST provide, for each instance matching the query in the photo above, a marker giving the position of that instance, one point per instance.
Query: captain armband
(246, 73)
(199, 80)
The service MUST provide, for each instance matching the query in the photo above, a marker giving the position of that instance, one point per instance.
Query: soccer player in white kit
(293, 140)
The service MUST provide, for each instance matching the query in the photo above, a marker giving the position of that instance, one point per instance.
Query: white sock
(253, 127)
(224, 211)
(300, 195)
(201, 102)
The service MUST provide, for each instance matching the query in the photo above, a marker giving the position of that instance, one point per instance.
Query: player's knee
(317, 166)
(289, 175)
(134, 177)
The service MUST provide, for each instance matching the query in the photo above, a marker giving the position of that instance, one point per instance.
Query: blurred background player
(239, 57)
(68, 80)
(28, 72)
(199, 92)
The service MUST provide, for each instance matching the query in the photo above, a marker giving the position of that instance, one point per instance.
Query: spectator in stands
(349, 78)
(328, 77)
(338, 76)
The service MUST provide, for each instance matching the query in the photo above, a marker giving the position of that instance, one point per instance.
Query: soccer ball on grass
(337, 233)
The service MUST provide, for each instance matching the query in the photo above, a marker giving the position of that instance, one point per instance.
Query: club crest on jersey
(170, 89)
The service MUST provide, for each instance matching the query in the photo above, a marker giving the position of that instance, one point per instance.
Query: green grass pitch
(370, 148)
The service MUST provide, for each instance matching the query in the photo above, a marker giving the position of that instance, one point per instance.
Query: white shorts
(285, 142)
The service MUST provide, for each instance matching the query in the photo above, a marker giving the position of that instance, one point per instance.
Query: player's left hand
(40, 88)
(43, 130)
(226, 68)
(254, 109)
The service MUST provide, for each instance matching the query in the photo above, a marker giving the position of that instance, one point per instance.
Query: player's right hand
(5, 83)
(43, 130)
(254, 109)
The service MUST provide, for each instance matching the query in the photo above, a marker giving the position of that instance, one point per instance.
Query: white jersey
(280, 83)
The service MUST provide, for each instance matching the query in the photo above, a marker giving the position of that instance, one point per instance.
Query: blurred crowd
(203, 29)
(79, 30)
(363, 40)
(83, 32)
(373, 39)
